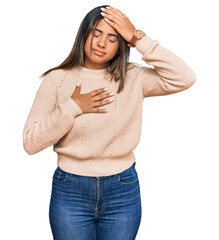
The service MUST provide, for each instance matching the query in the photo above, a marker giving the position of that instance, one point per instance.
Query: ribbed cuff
(71, 104)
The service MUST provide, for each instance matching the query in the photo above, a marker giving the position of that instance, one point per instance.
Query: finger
(112, 12)
(78, 87)
(98, 91)
(111, 17)
(115, 10)
(112, 24)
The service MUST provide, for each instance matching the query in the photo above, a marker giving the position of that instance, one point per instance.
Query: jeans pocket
(60, 176)
(127, 178)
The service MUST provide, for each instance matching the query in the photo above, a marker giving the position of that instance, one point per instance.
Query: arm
(169, 75)
(46, 124)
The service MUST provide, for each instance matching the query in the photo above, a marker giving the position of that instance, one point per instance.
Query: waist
(95, 167)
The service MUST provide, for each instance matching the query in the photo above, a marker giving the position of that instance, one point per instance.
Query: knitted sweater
(101, 144)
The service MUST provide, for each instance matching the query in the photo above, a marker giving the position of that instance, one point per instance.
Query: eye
(95, 33)
(109, 39)
(112, 39)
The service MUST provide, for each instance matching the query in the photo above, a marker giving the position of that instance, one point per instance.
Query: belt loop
(115, 176)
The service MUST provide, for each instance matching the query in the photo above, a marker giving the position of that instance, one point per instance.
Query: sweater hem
(96, 167)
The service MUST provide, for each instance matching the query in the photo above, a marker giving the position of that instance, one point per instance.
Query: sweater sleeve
(46, 123)
(170, 73)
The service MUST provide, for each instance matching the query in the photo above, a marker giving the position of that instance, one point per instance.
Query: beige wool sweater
(101, 144)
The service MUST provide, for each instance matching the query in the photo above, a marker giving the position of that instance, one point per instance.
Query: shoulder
(58, 73)
(57, 76)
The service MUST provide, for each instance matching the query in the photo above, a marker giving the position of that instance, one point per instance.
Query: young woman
(95, 187)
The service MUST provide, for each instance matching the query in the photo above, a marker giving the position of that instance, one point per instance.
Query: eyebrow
(110, 34)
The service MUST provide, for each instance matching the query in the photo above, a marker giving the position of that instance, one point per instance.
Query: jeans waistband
(100, 177)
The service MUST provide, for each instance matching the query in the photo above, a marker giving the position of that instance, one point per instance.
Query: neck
(91, 65)
(91, 73)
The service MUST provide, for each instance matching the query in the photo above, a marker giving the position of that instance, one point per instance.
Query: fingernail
(103, 13)
(78, 83)
(103, 9)
(107, 7)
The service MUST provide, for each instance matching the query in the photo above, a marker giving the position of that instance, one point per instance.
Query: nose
(102, 42)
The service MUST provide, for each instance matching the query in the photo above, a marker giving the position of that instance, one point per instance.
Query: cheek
(87, 50)
(114, 49)
(87, 46)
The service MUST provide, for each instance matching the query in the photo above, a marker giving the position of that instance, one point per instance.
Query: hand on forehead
(119, 21)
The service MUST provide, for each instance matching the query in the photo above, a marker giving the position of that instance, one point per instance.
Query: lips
(98, 53)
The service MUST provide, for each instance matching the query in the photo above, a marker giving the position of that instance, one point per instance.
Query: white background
(177, 157)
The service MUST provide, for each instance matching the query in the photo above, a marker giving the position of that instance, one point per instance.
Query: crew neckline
(91, 73)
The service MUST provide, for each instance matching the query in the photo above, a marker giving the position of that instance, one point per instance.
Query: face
(104, 47)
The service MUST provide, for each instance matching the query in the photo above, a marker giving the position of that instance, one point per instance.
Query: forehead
(105, 27)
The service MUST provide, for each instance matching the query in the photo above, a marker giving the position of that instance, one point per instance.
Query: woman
(95, 188)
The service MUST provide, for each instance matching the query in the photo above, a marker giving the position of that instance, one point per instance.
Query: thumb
(78, 87)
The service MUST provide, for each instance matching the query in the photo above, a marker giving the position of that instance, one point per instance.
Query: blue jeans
(95, 208)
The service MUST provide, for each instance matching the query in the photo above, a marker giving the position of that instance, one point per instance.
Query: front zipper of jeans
(97, 188)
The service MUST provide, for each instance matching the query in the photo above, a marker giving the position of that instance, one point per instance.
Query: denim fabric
(95, 208)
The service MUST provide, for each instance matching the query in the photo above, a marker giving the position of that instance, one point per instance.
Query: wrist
(137, 35)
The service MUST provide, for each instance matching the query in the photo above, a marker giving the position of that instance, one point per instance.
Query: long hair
(117, 67)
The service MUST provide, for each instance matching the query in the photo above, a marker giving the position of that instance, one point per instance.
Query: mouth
(98, 53)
